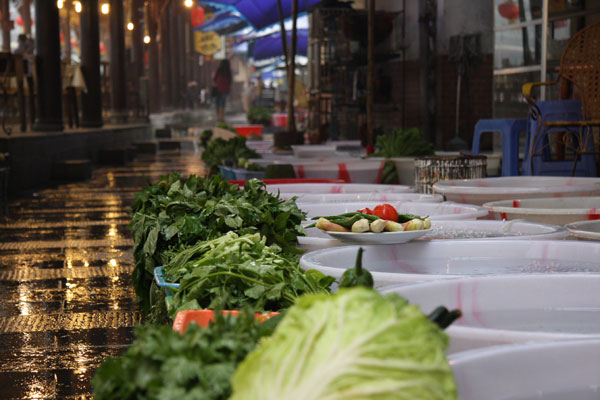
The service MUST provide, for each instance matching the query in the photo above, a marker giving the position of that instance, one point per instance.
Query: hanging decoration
(197, 15)
(509, 10)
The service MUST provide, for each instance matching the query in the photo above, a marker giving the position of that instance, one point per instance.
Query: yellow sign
(207, 43)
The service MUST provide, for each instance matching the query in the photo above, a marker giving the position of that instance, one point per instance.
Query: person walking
(222, 85)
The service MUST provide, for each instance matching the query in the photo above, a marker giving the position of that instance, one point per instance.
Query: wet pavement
(66, 300)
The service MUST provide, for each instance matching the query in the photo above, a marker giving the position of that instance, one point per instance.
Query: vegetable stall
(222, 247)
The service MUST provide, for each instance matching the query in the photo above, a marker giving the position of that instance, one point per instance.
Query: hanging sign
(207, 43)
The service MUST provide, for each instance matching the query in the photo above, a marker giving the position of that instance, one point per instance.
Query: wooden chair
(580, 65)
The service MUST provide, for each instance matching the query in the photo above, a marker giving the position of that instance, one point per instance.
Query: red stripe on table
(343, 172)
(503, 216)
(593, 214)
(516, 203)
(300, 171)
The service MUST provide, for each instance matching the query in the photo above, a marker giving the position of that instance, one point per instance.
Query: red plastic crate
(203, 317)
(246, 130)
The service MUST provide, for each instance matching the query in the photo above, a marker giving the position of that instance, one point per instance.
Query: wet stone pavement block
(66, 300)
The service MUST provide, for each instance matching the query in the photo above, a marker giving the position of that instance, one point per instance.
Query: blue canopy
(271, 46)
(262, 13)
(223, 22)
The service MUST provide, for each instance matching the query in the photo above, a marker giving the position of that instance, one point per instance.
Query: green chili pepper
(407, 217)
(357, 276)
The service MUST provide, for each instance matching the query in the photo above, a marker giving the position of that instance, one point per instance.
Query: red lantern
(197, 16)
(509, 10)
(19, 20)
(102, 48)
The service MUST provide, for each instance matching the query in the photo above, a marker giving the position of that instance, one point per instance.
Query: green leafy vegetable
(163, 364)
(356, 344)
(233, 272)
(402, 143)
(176, 212)
(226, 152)
(260, 115)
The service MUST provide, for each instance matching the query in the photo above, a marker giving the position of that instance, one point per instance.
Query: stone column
(47, 66)
(118, 81)
(153, 61)
(6, 26)
(91, 101)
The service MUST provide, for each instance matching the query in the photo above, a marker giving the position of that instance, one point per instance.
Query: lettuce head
(356, 344)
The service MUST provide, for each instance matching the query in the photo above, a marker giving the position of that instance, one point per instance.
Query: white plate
(377, 238)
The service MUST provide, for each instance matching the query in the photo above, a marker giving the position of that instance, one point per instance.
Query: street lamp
(77, 5)
(188, 3)
(105, 8)
(130, 26)
(59, 4)
(147, 39)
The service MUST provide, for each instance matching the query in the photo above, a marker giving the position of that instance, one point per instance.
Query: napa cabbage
(356, 344)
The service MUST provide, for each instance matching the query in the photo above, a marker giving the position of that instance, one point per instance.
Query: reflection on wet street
(66, 300)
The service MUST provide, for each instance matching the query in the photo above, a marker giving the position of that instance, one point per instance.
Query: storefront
(529, 37)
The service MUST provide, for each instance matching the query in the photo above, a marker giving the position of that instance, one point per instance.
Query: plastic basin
(512, 308)
(336, 188)
(559, 211)
(445, 210)
(203, 317)
(313, 150)
(356, 197)
(480, 191)
(246, 130)
(316, 239)
(559, 370)
(442, 259)
(587, 230)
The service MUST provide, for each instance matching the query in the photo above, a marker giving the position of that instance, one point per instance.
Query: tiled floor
(66, 300)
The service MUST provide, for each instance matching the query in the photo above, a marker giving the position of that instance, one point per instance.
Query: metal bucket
(429, 170)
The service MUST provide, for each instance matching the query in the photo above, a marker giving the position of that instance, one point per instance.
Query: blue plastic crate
(227, 172)
(159, 278)
(243, 174)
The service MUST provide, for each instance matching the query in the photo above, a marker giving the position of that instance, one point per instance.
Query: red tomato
(386, 211)
(367, 211)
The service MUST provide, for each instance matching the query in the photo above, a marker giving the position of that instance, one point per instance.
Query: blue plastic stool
(557, 110)
(510, 130)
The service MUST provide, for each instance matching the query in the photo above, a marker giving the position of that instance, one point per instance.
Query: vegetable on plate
(383, 218)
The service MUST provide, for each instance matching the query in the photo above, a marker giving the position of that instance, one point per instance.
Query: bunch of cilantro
(175, 213)
(164, 364)
(235, 272)
(226, 152)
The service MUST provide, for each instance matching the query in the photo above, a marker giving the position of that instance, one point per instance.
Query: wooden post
(6, 26)
(283, 35)
(25, 11)
(370, 71)
(291, 119)
(66, 28)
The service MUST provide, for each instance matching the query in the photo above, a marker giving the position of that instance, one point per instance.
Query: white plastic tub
(321, 188)
(445, 210)
(512, 308)
(562, 370)
(442, 259)
(357, 197)
(559, 211)
(588, 230)
(313, 150)
(316, 239)
(479, 191)
(356, 170)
